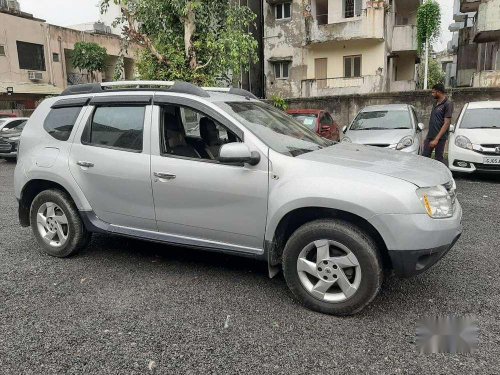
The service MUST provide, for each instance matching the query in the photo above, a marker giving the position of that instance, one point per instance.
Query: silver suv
(220, 170)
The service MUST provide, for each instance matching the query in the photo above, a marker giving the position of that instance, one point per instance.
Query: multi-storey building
(325, 47)
(476, 43)
(35, 58)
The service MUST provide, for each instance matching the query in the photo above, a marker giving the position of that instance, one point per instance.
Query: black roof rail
(242, 92)
(86, 88)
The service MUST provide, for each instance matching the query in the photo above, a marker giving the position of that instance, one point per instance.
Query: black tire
(78, 236)
(359, 243)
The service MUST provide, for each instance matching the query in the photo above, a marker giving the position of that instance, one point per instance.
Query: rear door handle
(85, 164)
(164, 176)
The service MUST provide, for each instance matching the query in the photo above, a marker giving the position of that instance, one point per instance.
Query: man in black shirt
(439, 124)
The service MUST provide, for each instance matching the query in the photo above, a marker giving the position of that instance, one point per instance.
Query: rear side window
(119, 127)
(60, 121)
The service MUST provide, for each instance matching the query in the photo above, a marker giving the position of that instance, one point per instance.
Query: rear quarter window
(60, 121)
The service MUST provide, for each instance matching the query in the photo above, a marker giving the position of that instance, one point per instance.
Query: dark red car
(7, 115)
(319, 120)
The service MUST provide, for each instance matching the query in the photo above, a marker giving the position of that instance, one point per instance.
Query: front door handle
(85, 164)
(164, 176)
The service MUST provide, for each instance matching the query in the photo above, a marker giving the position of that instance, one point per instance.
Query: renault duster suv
(220, 170)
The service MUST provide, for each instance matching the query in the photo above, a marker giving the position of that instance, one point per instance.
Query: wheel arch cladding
(28, 194)
(294, 219)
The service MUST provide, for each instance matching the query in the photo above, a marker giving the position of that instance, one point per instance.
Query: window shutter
(347, 67)
(357, 66)
(357, 8)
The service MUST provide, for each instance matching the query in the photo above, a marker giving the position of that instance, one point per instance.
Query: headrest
(209, 131)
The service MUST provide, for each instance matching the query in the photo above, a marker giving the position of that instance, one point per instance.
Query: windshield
(382, 120)
(481, 118)
(307, 120)
(276, 129)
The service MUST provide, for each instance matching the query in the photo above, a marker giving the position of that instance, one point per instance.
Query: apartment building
(35, 58)
(476, 43)
(336, 47)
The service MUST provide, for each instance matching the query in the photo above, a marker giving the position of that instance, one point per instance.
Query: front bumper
(472, 161)
(408, 263)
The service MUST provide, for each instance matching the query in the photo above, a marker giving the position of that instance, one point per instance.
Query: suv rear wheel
(56, 224)
(332, 267)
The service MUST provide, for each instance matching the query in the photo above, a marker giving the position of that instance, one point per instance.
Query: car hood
(375, 137)
(481, 136)
(417, 170)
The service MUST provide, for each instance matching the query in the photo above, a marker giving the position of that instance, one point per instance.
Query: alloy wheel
(52, 224)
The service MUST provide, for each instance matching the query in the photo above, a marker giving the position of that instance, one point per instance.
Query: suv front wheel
(332, 266)
(56, 224)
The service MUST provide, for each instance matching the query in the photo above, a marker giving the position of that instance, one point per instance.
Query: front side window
(352, 66)
(283, 11)
(281, 69)
(277, 130)
(120, 127)
(327, 120)
(382, 120)
(60, 121)
(31, 56)
(189, 133)
(481, 118)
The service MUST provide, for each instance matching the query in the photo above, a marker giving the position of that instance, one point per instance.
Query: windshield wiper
(486, 127)
(373, 128)
(401, 127)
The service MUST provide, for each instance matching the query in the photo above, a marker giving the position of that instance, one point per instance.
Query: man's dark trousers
(439, 150)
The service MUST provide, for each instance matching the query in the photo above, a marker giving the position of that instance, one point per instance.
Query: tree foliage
(428, 22)
(90, 57)
(279, 102)
(436, 74)
(200, 41)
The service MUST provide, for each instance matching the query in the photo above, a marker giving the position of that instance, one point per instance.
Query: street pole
(426, 74)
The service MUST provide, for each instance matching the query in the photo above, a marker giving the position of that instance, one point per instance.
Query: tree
(90, 57)
(201, 41)
(428, 24)
(435, 74)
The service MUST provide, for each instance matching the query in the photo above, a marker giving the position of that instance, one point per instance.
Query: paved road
(131, 307)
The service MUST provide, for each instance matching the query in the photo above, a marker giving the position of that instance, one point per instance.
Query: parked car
(331, 215)
(319, 121)
(474, 143)
(7, 123)
(392, 126)
(9, 139)
(7, 115)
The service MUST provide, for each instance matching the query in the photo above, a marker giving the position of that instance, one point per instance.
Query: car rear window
(60, 121)
(307, 120)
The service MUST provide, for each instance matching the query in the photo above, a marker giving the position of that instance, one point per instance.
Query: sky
(71, 12)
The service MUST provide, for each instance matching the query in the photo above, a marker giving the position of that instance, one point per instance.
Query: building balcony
(341, 86)
(369, 25)
(488, 22)
(467, 6)
(404, 38)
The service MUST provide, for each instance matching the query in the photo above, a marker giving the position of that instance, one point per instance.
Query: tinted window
(484, 118)
(378, 120)
(118, 127)
(60, 121)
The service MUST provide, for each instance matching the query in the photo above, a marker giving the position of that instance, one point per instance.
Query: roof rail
(173, 86)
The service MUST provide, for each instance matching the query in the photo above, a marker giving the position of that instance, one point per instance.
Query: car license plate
(492, 160)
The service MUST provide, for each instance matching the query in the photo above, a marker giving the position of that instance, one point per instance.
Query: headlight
(436, 201)
(346, 140)
(405, 142)
(14, 139)
(463, 142)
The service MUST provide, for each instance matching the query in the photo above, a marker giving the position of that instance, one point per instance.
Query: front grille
(491, 145)
(379, 145)
(487, 167)
(5, 146)
(488, 149)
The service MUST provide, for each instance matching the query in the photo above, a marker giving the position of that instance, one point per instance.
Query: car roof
(305, 111)
(485, 104)
(387, 107)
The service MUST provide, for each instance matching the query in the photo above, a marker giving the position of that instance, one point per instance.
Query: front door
(110, 161)
(197, 199)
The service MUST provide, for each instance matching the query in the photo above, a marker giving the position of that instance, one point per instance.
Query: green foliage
(436, 74)
(428, 22)
(200, 41)
(90, 57)
(279, 102)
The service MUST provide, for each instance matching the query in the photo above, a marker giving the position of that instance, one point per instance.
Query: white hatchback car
(475, 139)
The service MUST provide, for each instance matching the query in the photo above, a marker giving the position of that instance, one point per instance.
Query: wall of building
(345, 107)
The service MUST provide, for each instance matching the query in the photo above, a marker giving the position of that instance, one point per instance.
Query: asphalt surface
(131, 307)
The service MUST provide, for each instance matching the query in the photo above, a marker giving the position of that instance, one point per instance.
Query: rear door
(110, 160)
(320, 69)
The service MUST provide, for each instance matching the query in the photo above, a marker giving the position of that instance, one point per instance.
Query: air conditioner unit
(35, 76)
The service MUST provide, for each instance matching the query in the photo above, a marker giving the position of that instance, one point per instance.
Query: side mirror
(344, 129)
(420, 126)
(238, 153)
(452, 128)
